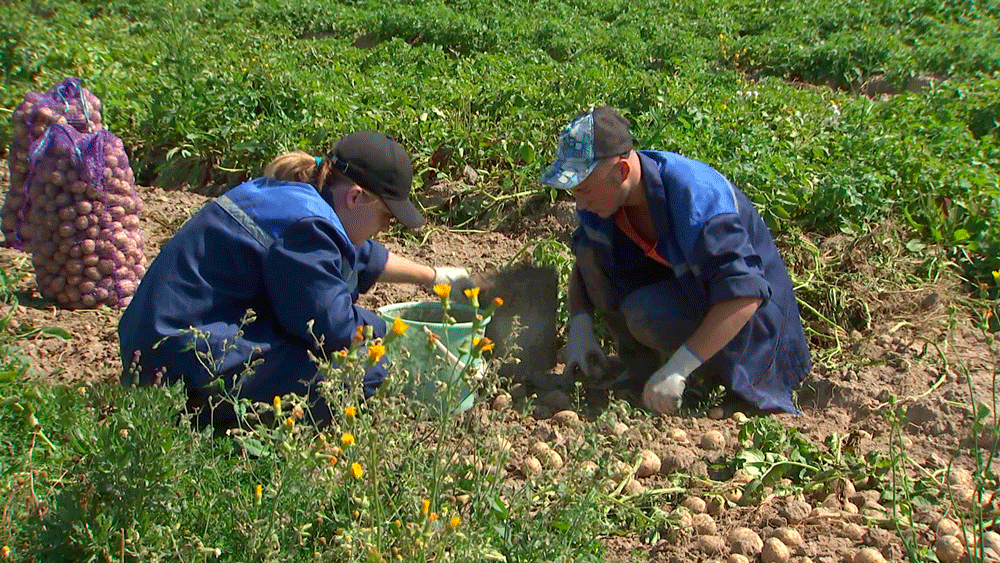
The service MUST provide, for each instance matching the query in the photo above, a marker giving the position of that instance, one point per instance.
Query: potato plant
(67, 103)
(83, 227)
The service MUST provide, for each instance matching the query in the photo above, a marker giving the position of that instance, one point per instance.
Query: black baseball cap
(382, 166)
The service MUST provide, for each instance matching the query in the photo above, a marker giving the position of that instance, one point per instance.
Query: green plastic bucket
(424, 368)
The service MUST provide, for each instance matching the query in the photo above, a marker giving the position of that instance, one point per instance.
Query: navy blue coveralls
(277, 248)
(711, 245)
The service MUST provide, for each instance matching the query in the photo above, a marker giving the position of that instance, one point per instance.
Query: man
(680, 266)
(294, 246)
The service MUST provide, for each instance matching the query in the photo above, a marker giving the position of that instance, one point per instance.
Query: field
(867, 134)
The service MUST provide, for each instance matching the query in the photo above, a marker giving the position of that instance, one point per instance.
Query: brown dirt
(901, 345)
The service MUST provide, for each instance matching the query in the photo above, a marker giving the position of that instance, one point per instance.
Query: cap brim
(405, 212)
(566, 174)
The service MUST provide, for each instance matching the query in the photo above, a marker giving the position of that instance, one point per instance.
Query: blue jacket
(718, 248)
(275, 247)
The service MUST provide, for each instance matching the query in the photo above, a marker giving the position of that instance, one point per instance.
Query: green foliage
(204, 94)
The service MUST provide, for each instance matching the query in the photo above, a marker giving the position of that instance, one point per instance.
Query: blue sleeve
(370, 264)
(726, 262)
(302, 274)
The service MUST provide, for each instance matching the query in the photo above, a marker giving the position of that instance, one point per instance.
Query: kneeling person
(680, 266)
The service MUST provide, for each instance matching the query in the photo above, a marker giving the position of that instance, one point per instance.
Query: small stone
(716, 413)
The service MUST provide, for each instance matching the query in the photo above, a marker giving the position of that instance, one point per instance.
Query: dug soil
(914, 345)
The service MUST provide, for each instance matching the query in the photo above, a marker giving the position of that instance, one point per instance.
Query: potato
(745, 542)
(949, 549)
(869, 555)
(649, 464)
(774, 551)
(713, 440)
(695, 504)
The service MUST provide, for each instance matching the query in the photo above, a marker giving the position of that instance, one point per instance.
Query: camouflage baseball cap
(592, 136)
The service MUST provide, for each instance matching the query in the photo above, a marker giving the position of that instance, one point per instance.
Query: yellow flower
(375, 352)
(398, 326)
(5, 551)
(359, 335)
(485, 344)
(454, 522)
(996, 275)
(277, 403)
(442, 290)
(297, 412)
(347, 439)
(471, 292)
(427, 507)
(289, 423)
(342, 354)
(434, 516)
(356, 470)
(350, 412)
(497, 301)
(333, 460)
(258, 491)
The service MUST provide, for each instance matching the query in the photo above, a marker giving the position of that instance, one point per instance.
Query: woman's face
(362, 213)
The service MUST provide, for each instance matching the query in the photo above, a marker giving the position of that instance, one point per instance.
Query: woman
(293, 246)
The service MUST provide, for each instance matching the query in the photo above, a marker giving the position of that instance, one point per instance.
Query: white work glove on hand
(582, 349)
(665, 388)
(457, 278)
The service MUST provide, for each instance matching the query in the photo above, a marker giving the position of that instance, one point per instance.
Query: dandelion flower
(454, 522)
(277, 403)
(350, 412)
(497, 301)
(434, 516)
(258, 491)
(442, 290)
(333, 460)
(427, 507)
(289, 423)
(471, 292)
(996, 275)
(5, 551)
(375, 352)
(356, 470)
(347, 439)
(399, 326)
(485, 344)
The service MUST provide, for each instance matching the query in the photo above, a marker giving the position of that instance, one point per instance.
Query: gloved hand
(665, 388)
(455, 277)
(582, 350)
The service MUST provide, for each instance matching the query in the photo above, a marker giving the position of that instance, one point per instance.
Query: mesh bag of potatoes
(83, 227)
(67, 103)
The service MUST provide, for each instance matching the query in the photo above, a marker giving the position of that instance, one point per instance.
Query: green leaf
(960, 235)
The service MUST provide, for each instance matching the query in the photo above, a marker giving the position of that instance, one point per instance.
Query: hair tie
(319, 160)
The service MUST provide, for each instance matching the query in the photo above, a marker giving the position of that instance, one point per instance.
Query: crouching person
(293, 246)
(682, 269)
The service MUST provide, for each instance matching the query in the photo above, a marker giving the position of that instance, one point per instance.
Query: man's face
(601, 192)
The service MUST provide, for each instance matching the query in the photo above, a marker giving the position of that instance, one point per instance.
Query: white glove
(665, 388)
(457, 278)
(582, 350)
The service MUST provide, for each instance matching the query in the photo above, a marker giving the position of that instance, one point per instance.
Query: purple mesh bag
(65, 103)
(83, 228)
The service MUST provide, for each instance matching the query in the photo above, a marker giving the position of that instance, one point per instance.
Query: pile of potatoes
(83, 226)
(67, 103)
